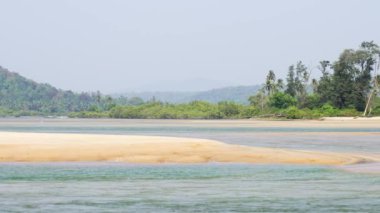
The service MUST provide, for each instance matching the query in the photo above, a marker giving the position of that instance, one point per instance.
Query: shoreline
(330, 122)
(54, 147)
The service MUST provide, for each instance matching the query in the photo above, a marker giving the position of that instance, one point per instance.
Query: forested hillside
(18, 93)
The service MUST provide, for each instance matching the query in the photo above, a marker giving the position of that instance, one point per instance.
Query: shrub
(229, 109)
(294, 113)
(376, 111)
(312, 101)
(249, 112)
(282, 101)
(348, 113)
(328, 110)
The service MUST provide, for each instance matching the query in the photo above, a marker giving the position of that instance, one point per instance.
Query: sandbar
(54, 147)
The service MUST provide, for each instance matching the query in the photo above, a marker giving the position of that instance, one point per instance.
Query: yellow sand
(47, 147)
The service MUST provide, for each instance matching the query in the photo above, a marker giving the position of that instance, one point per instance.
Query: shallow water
(214, 187)
(89, 187)
(325, 139)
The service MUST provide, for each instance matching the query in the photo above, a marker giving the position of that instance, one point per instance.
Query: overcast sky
(115, 46)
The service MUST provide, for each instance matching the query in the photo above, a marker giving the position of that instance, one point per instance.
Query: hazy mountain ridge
(239, 94)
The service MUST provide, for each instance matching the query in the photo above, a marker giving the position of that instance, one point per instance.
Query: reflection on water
(117, 187)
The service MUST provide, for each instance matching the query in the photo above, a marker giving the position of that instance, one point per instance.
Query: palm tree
(270, 83)
(280, 84)
(314, 83)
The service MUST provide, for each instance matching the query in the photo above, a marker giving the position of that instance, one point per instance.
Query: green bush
(328, 110)
(229, 109)
(348, 113)
(376, 111)
(281, 100)
(88, 114)
(249, 112)
(312, 101)
(293, 113)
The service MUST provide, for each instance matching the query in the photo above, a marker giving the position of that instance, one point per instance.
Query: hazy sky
(115, 46)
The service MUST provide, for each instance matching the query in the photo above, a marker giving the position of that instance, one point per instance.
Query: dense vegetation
(160, 110)
(222, 110)
(347, 87)
(20, 96)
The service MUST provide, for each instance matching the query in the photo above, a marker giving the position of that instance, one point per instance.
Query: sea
(211, 187)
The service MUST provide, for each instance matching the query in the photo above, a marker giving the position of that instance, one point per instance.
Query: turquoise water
(99, 187)
(213, 187)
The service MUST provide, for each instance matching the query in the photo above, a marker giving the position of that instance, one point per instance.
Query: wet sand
(331, 122)
(52, 147)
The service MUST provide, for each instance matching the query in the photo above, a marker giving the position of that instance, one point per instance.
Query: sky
(176, 45)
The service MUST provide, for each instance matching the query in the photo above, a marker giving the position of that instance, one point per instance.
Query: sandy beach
(52, 147)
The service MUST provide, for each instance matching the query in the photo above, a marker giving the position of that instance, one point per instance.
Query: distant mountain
(192, 85)
(22, 94)
(171, 97)
(238, 94)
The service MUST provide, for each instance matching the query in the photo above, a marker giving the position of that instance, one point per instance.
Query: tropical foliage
(346, 87)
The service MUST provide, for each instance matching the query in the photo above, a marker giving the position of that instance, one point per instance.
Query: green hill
(18, 93)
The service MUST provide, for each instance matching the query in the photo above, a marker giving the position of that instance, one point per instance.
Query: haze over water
(119, 46)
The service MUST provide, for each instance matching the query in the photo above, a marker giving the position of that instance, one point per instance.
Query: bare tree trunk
(368, 103)
(374, 90)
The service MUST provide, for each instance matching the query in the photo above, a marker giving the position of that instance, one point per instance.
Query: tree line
(346, 87)
(350, 83)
